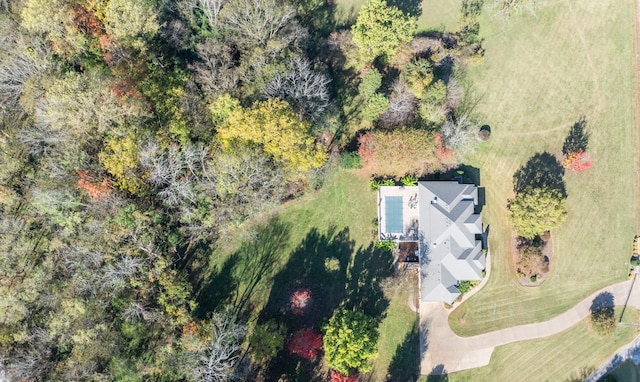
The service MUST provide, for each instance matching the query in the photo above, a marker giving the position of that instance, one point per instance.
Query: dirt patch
(546, 247)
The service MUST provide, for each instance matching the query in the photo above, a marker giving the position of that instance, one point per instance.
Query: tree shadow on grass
(580, 375)
(578, 138)
(217, 289)
(410, 7)
(244, 271)
(602, 300)
(319, 263)
(542, 170)
(322, 264)
(405, 364)
(258, 261)
(370, 266)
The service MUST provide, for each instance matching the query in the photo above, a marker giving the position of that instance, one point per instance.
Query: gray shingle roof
(448, 227)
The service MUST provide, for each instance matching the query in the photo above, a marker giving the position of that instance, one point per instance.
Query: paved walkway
(444, 351)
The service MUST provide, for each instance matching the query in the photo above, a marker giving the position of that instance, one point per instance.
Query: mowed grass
(340, 217)
(398, 346)
(568, 356)
(539, 75)
(439, 15)
(435, 15)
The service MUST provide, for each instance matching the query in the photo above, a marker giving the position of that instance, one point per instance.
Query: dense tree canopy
(380, 29)
(535, 211)
(350, 342)
(135, 134)
(274, 127)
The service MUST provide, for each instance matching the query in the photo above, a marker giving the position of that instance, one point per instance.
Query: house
(443, 218)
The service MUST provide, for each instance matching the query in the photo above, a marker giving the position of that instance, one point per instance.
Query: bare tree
(115, 275)
(173, 170)
(458, 135)
(304, 88)
(137, 310)
(21, 58)
(257, 21)
(506, 8)
(217, 359)
(455, 95)
(39, 140)
(209, 8)
(402, 107)
(244, 183)
(33, 361)
(215, 71)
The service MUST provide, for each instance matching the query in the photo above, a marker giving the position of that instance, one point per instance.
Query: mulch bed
(547, 251)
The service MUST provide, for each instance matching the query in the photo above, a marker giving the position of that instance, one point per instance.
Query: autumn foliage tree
(120, 159)
(574, 149)
(272, 126)
(401, 152)
(577, 161)
(300, 300)
(337, 377)
(603, 320)
(350, 342)
(531, 261)
(305, 343)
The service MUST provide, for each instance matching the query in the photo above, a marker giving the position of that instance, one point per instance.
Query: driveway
(444, 351)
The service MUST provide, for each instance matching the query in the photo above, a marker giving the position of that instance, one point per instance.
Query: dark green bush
(465, 285)
(350, 160)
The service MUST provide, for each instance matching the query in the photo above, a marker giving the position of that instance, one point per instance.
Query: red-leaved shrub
(577, 161)
(305, 343)
(337, 377)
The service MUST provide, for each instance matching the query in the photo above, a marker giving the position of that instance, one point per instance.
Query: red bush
(305, 343)
(365, 149)
(577, 161)
(443, 154)
(96, 190)
(337, 377)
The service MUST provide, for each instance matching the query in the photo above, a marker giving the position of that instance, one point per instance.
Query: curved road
(443, 350)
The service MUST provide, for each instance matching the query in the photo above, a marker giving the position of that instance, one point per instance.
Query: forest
(134, 135)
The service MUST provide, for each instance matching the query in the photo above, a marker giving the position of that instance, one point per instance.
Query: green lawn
(398, 347)
(438, 15)
(568, 356)
(538, 77)
(324, 242)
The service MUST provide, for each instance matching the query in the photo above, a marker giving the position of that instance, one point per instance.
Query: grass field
(324, 242)
(568, 356)
(438, 15)
(540, 74)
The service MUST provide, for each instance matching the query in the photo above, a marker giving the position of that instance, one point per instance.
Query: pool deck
(409, 196)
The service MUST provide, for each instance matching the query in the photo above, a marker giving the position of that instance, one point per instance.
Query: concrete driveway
(444, 351)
